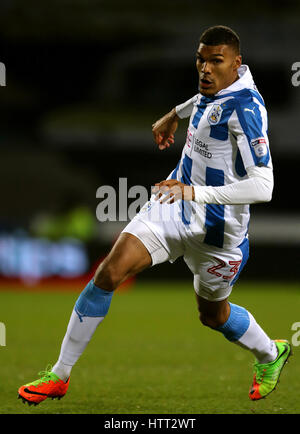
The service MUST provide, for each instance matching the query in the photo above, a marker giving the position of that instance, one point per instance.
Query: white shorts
(215, 270)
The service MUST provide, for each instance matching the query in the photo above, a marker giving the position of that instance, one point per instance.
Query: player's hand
(163, 130)
(171, 190)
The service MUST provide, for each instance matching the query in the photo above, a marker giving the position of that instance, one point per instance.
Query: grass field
(151, 355)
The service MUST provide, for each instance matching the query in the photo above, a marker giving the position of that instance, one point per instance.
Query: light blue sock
(237, 323)
(242, 329)
(93, 301)
(90, 309)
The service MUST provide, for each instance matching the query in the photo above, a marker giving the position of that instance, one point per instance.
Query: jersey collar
(245, 81)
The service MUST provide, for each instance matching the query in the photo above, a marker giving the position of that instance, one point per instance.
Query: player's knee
(205, 319)
(211, 320)
(107, 277)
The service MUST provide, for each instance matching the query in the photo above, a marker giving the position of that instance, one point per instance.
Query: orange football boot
(48, 386)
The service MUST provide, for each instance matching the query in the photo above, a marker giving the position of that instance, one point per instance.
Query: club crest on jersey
(215, 114)
(260, 146)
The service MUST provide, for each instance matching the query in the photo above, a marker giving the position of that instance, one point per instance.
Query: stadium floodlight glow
(31, 259)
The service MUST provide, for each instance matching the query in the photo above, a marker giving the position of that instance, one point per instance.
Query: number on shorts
(222, 264)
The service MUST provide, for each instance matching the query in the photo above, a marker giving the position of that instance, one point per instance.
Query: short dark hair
(221, 35)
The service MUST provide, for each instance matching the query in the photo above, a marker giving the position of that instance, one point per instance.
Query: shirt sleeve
(249, 124)
(185, 109)
(257, 188)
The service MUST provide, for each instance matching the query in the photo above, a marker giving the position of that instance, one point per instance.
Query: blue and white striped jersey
(227, 134)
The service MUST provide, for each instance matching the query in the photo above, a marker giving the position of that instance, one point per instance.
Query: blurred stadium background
(84, 82)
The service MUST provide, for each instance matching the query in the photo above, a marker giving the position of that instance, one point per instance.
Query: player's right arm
(164, 129)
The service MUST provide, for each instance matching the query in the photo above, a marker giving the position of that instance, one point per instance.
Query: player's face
(217, 66)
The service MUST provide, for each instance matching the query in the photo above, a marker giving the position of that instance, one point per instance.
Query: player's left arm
(257, 188)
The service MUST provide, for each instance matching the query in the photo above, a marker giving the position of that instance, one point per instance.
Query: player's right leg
(129, 256)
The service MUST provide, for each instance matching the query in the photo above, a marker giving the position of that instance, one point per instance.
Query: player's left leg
(217, 273)
(239, 326)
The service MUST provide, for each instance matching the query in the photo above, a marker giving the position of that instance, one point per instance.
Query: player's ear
(238, 61)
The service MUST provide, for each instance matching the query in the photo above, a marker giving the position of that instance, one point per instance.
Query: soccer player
(200, 212)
